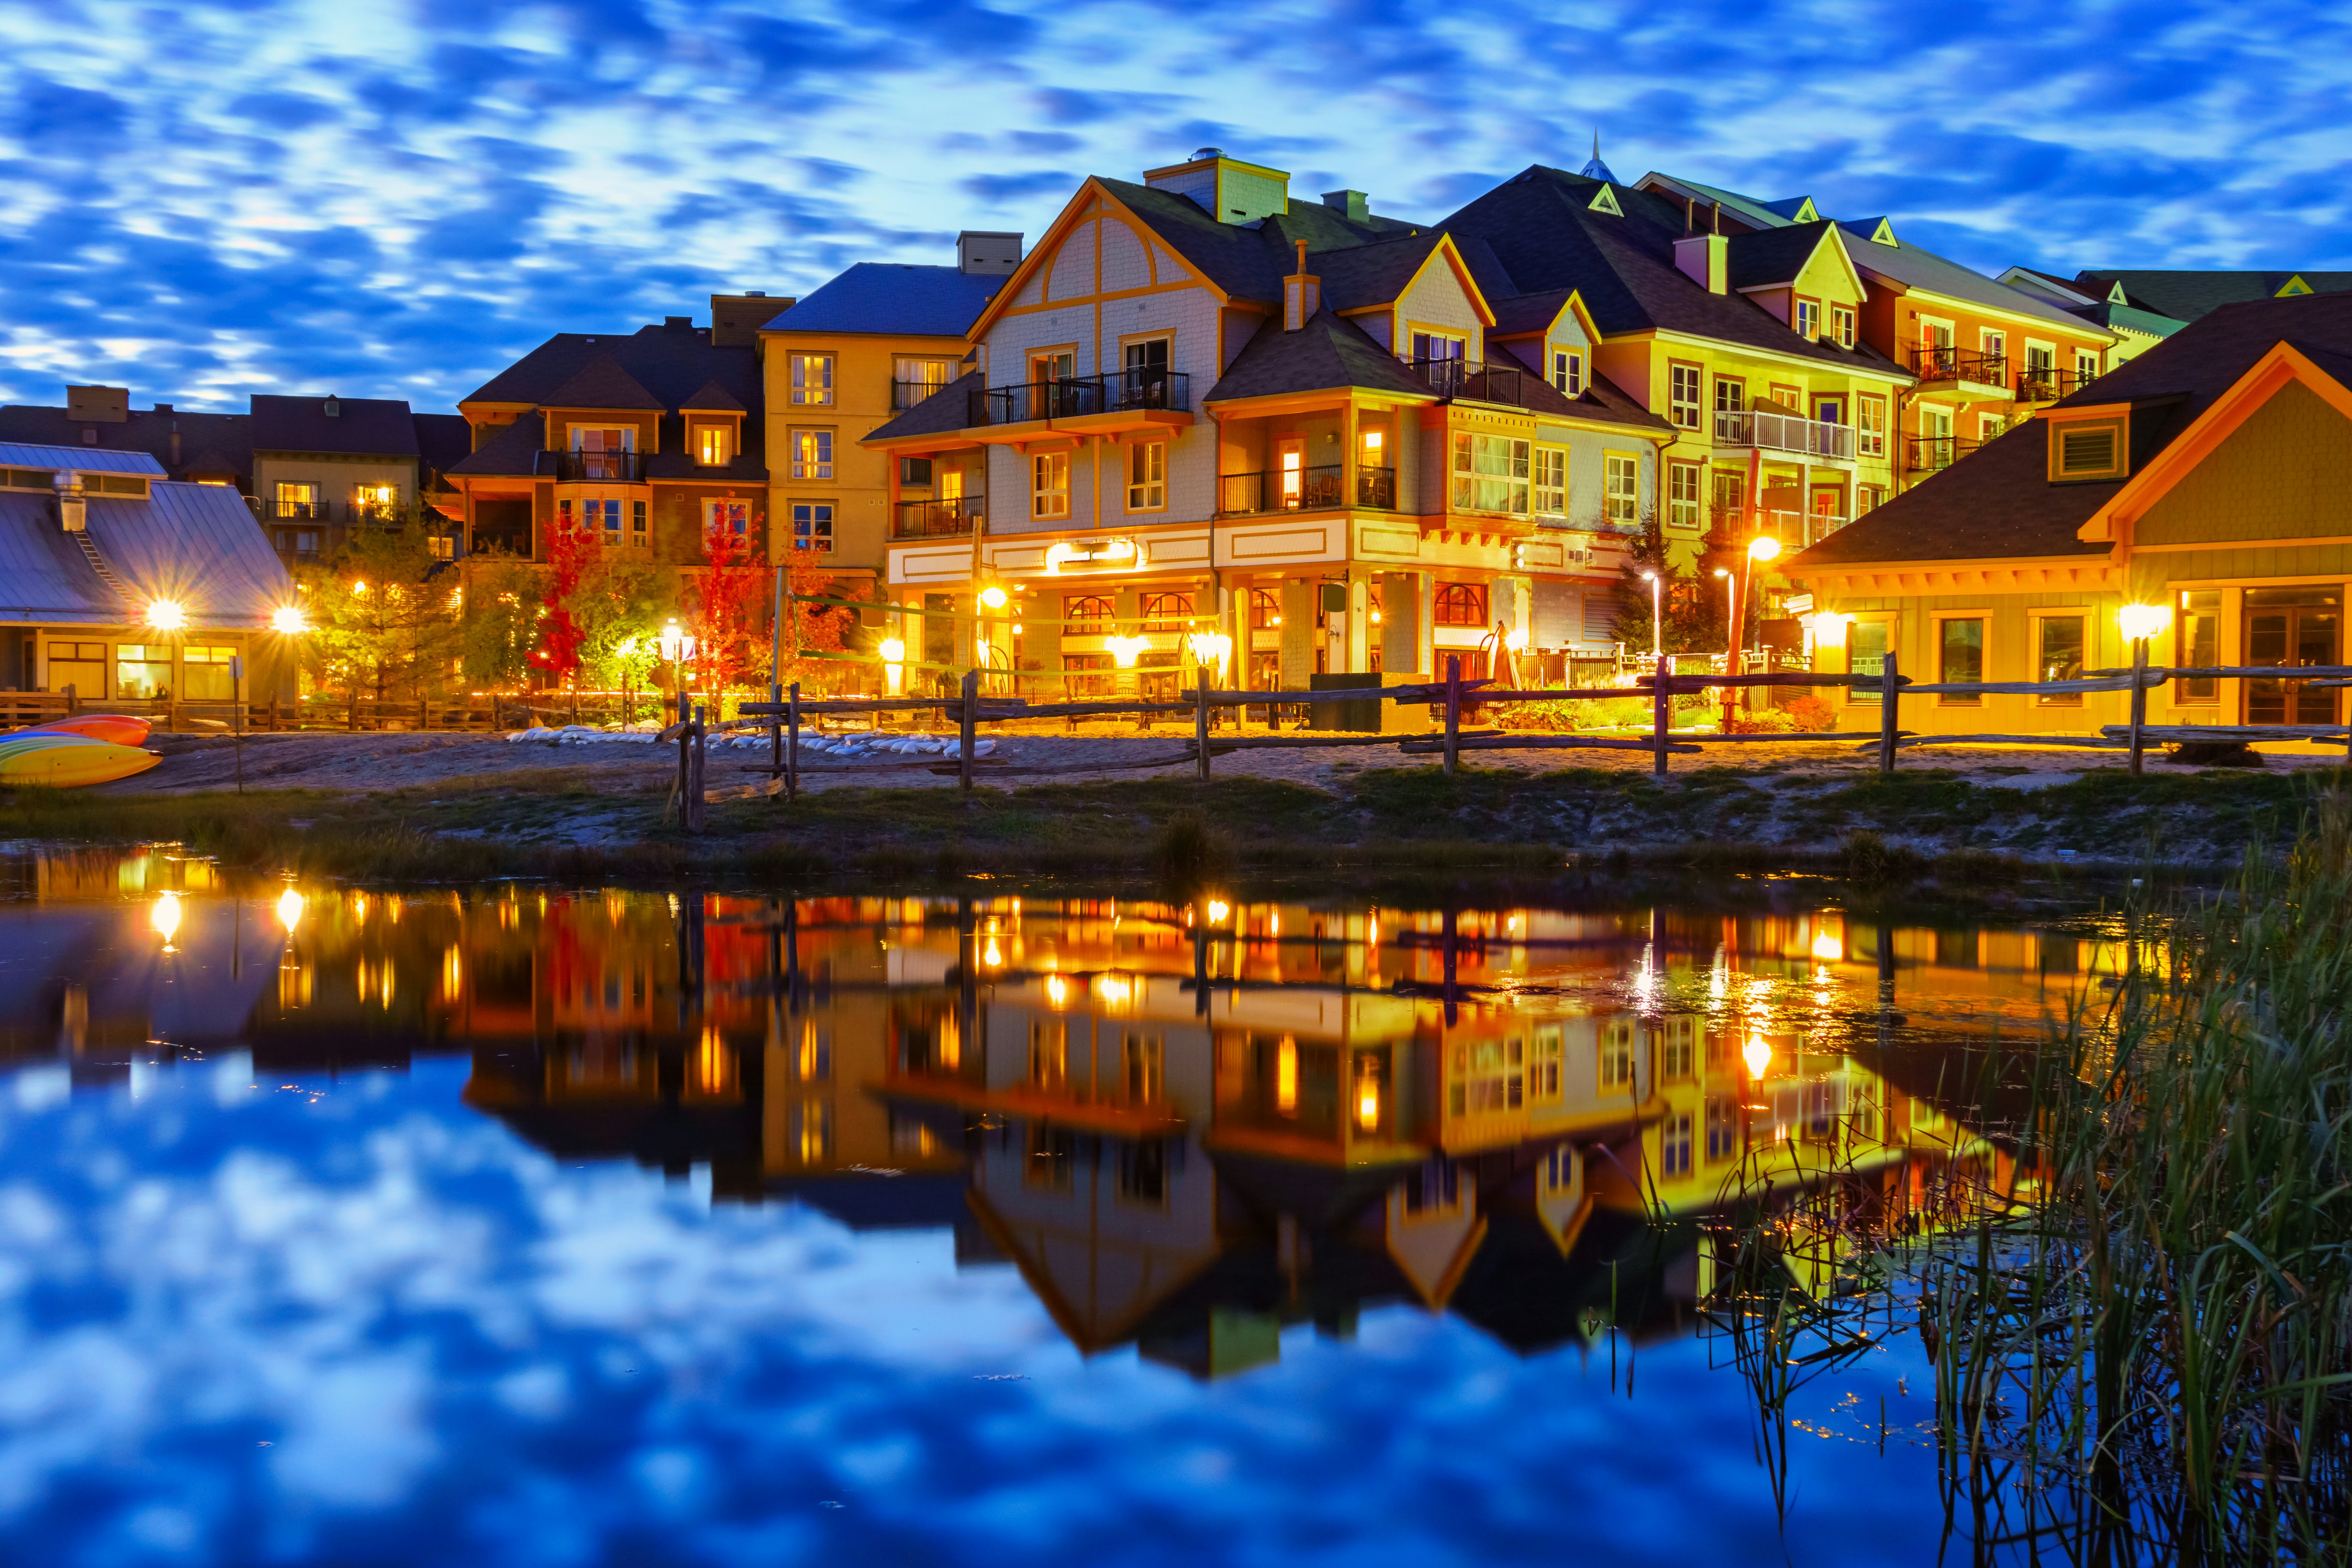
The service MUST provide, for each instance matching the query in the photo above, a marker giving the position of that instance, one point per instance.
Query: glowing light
(1516, 639)
(1828, 628)
(1218, 910)
(1057, 990)
(994, 956)
(165, 917)
(166, 615)
(1368, 1102)
(1757, 1056)
(289, 618)
(1113, 989)
(359, 590)
(893, 650)
(1827, 948)
(1210, 648)
(994, 597)
(1763, 547)
(1124, 650)
(676, 644)
(2144, 623)
(289, 910)
(894, 669)
(1286, 1077)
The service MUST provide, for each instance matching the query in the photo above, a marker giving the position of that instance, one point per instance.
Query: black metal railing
(1072, 396)
(2047, 384)
(1939, 361)
(905, 394)
(1470, 378)
(1317, 489)
(616, 467)
(936, 519)
(301, 541)
(1376, 489)
(1926, 454)
(308, 510)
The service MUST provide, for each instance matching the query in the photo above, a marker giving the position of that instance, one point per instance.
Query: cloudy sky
(204, 200)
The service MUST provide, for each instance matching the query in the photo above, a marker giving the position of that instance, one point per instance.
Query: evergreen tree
(384, 616)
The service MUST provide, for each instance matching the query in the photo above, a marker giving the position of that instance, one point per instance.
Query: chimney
(73, 511)
(1225, 188)
(985, 253)
(99, 405)
(736, 318)
(1353, 206)
(332, 408)
(1302, 294)
(1705, 259)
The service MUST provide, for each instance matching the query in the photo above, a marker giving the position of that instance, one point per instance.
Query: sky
(202, 200)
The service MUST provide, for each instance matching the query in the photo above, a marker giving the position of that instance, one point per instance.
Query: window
(1865, 497)
(1676, 1046)
(1490, 474)
(1722, 1127)
(2086, 364)
(205, 674)
(1990, 425)
(1683, 494)
(299, 500)
(1568, 372)
(2040, 360)
(1865, 654)
(812, 379)
(2058, 655)
(1675, 1146)
(727, 516)
(1616, 1054)
(913, 380)
(445, 546)
(1147, 476)
(375, 503)
(1489, 1076)
(812, 455)
(1731, 394)
(80, 665)
(1808, 318)
(1829, 410)
(1550, 481)
(1842, 322)
(1461, 605)
(1960, 656)
(1169, 612)
(1088, 610)
(1620, 488)
(714, 446)
(636, 523)
(2198, 629)
(1870, 425)
(142, 671)
(1543, 1071)
(1143, 382)
(2086, 449)
(1996, 349)
(813, 526)
(1437, 346)
(1681, 396)
(1049, 485)
(1265, 610)
(604, 516)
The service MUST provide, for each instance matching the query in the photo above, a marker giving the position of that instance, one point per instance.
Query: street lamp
(1657, 616)
(677, 649)
(2141, 624)
(289, 618)
(894, 663)
(166, 614)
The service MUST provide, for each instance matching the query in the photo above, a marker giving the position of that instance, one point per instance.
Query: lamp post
(2141, 624)
(678, 648)
(1730, 614)
(1657, 616)
(1761, 549)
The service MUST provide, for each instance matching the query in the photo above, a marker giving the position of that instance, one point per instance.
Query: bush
(1807, 712)
(1188, 851)
(1770, 721)
(1574, 713)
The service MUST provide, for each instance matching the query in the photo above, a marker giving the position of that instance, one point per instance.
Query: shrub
(1807, 712)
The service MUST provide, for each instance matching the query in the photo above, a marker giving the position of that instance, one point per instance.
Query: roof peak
(1594, 169)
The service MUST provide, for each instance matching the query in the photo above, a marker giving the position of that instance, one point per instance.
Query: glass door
(2295, 628)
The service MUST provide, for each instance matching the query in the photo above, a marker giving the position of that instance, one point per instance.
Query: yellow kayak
(65, 762)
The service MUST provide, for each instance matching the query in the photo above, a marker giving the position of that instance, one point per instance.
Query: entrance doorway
(2297, 627)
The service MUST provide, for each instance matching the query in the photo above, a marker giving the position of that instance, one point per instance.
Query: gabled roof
(1375, 274)
(1914, 267)
(1773, 255)
(1747, 209)
(1999, 502)
(1794, 209)
(359, 427)
(1327, 353)
(600, 384)
(514, 449)
(668, 361)
(2186, 295)
(893, 297)
(947, 410)
(712, 398)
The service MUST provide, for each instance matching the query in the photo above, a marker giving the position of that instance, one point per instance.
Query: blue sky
(202, 200)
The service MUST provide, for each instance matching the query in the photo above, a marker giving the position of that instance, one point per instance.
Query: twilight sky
(203, 200)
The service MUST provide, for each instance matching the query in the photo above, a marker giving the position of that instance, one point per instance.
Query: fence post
(1662, 712)
(775, 732)
(355, 710)
(1453, 714)
(236, 713)
(1200, 724)
(966, 722)
(697, 809)
(2139, 704)
(73, 700)
(793, 748)
(1889, 718)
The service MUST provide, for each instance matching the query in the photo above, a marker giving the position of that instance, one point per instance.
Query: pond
(512, 1225)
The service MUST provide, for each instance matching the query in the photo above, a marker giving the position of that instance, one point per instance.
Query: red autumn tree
(569, 552)
(726, 601)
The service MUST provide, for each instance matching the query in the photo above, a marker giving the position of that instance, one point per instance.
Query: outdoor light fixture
(287, 618)
(1828, 628)
(1125, 649)
(676, 644)
(894, 662)
(2144, 623)
(1516, 639)
(994, 597)
(165, 917)
(1210, 648)
(1657, 614)
(1057, 990)
(359, 589)
(289, 910)
(994, 956)
(1218, 910)
(166, 614)
(1763, 547)
(1367, 1101)
(1757, 1056)
(1112, 989)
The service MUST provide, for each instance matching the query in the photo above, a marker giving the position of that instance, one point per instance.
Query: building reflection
(1190, 1127)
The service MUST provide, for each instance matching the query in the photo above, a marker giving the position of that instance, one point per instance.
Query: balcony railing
(1927, 453)
(905, 394)
(1472, 379)
(612, 468)
(307, 511)
(1319, 488)
(1376, 489)
(1939, 362)
(1787, 433)
(936, 519)
(2047, 384)
(1070, 397)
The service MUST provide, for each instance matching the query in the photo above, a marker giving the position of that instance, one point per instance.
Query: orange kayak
(121, 729)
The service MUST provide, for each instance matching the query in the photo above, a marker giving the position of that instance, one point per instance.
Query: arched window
(1087, 607)
(1167, 612)
(1461, 604)
(1265, 610)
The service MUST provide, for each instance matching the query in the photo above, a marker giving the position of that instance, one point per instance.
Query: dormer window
(2087, 448)
(1808, 318)
(714, 446)
(1567, 373)
(1842, 321)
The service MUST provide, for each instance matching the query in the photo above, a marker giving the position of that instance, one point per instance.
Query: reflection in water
(1309, 1187)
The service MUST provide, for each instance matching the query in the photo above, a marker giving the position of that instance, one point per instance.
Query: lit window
(1960, 659)
(812, 379)
(1147, 476)
(205, 674)
(1870, 426)
(1842, 317)
(1049, 485)
(813, 526)
(2086, 364)
(1621, 492)
(1683, 494)
(1865, 654)
(1460, 604)
(1490, 473)
(812, 455)
(1681, 396)
(713, 446)
(1568, 372)
(1808, 318)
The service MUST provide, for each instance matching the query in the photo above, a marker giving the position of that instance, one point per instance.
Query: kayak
(66, 761)
(121, 729)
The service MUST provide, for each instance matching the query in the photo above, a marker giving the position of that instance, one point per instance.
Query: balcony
(303, 510)
(1928, 453)
(937, 519)
(1319, 489)
(1938, 363)
(609, 467)
(1475, 381)
(2046, 383)
(905, 394)
(1146, 389)
(1792, 434)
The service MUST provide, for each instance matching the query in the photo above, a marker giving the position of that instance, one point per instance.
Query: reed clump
(2157, 1333)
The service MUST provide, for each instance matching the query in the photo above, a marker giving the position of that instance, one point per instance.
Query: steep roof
(1373, 274)
(1999, 502)
(1328, 352)
(443, 440)
(1772, 255)
(713, 398)
(1236, 257)
(2186, 295)
(88, 460)
(515, 448)
(197, 543)
(600, 384)
(1915, 267)
(893, 297)
(668, 361)
(947, 409)
(359, 427)
(225, 441)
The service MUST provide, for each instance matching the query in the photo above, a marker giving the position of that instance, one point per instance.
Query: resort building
(325, 466)
(189, 448)
(1214, 425)
(848, 358)
(2198, 481)
(131, 589)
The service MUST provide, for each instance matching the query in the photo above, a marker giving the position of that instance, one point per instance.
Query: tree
(383, 615)
(815, 629)
(500, 619)
(724, 599)
(569, 552)
(1635, 605)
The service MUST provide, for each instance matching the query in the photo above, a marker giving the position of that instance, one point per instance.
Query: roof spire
(1596, 169)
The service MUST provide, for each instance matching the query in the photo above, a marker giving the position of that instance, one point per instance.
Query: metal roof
(88, 460)
(197, 544)
(893, 297)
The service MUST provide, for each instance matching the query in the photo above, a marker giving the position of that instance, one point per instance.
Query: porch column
(1359, 619)
(1299, 633)
(1348, 496)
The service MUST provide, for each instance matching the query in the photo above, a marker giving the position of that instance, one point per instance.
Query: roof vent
(1198, 153)
(332, 409)
(755, 293)
(687, 321)
(987, 254)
